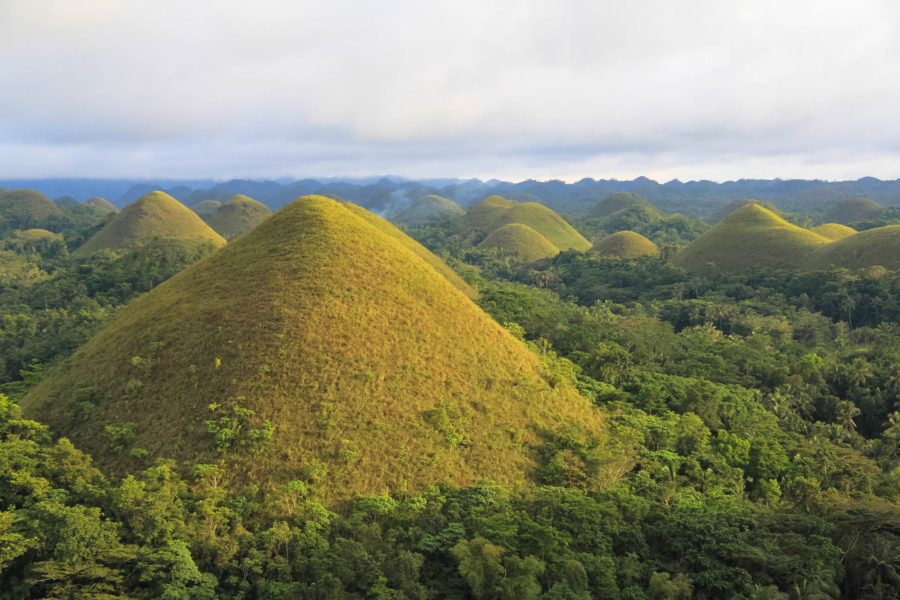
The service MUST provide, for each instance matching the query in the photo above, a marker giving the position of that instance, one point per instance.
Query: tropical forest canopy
(709, 429)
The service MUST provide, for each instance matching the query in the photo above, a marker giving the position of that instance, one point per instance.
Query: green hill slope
(868, 248)
(519, 243)
(429, 208)
(737, 205)
(206, 208)
(625, 244)
(853, 209)
(616, 202)
(750, 238)
(547, 223)
(237, 216)
(25, 209)
(100, 204)
(833, 231)
(483, 216)
(375, 374)
(156, 215)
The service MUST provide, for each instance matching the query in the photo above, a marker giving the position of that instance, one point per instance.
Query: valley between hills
(410, 390)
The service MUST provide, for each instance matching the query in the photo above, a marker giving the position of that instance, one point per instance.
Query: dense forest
(753, 445)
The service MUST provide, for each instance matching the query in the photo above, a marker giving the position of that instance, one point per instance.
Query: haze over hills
(330, 329)
(853, 209)
(429, 207)
(155, 215)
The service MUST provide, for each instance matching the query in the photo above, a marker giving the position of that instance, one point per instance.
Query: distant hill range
(389, 196)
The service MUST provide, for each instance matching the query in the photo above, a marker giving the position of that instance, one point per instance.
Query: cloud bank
(700, 89)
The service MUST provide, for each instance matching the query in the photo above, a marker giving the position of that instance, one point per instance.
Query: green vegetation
(873, 247)
(853, 209)
(736, 205)
(483, 216)
(237, 216)
(101, 205)
(27, 209)
(625, 244)
(341, 337)
(156, 215)
(206, 208)
(750, 238)
(546, 222)
(429, 208)
(833, 231)
(519, 243)
(618, 201)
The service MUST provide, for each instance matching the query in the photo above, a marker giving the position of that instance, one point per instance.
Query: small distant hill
(873, 247)
(206, 208)
(101, 205)
(625, 244)
(429, 208)
(237, 216)
(321, 348)
(155, 215)
(833, 231)
(519, 243)
(853, 209)
(547, 223)
(738, 204)
(25, 209)
(66, 202)
(484, 215)
(618, 201)
(752, 237)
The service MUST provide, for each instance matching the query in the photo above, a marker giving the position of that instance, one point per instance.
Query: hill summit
(155, 215)
(519, 243)
(496, 211)
(752, 237)
(320, 347)
(625, 244)
(430, 207)
(238, 216)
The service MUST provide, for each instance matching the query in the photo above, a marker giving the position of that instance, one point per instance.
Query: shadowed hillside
(484, 215)
(156, 215)
(25, 209)
(750, 238)
(853, 209)
(618, 201)
(238, 216)
(519, 243)
(833, 231)
(315, 347)
(429, 208)
(206, 208)
(625, 244)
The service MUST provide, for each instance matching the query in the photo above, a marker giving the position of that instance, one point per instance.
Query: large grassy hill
(374, 372)
(752, 237)
(547, 223)
(868, 248)
(238, 216)
(852, 210)
(428, 208)
(625, 244)
(520, 243)
(155, 215)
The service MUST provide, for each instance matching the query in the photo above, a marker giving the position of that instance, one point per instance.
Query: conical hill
(625, 244)
(101, 204)
(238, 216)
(25, 209)
(547, 223)
(375, 373)
(430, 207)
(873, 247)
(155, 215)
(751, 237)
(206, 208)
(483, 216)
(519, 243)
(618, 201)
(833, 231)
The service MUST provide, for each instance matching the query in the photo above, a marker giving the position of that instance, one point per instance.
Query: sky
(700, 89)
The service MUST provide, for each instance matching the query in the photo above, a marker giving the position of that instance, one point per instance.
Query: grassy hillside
(853, 209)
(483, 216)
(519, 243)
(100, 204)
(625, 244)
(156, 215)
(868, 248)
(547, 223)
(206, 208)
(429, 208)
(238, 216)
(738, 204)
(365, 370)
(750, 238)
(833, 231)
(66, 202)
(410, 244)
(23, 209)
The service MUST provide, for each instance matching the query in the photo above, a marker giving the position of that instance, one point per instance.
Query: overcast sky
(516, 89)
